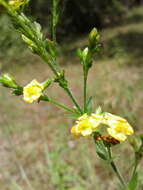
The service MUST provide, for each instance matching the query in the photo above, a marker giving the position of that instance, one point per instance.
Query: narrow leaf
(133, 183)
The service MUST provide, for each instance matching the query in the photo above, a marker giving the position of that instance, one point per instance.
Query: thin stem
(43, 53)
(54, 19)
(69, 92)
(52, 66)
(116, 170)
(46, 98)
(85, 91)
(135, 168)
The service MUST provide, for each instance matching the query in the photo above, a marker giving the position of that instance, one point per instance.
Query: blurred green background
(37, 149)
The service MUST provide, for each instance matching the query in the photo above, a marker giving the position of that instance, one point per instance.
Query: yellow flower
(83, 130)
(85, 125)
(17, 3)
(32, 91)
(118, 127)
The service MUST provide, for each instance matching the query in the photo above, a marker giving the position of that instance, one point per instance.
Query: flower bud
(8, 81)
(30, 44)
(15, 4)
(46, 83)
(94, 37)
(84, 54)
(27, 40)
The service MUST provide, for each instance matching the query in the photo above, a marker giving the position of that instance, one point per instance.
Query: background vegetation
(37, 150)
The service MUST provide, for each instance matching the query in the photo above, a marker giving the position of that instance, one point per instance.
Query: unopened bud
(27, 40)
(8, 81)
(94, 37)
(16, 4)
(99, 110)
(46, 83)
(30, 44)
(85, 52)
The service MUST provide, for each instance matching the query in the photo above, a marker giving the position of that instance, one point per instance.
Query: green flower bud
(16, 4)
(94, 37)
(47, 83)
(27, 41)
(8, 81)
(85, 52)
(99, 110)
(30, 44)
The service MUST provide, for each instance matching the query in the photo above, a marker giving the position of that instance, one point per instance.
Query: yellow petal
(83, 117)
(119, 136)
(120, 126)
(94, 122)
(109, 116)
(75, 131)
(86, 132)
(99, 118)
(32, 91)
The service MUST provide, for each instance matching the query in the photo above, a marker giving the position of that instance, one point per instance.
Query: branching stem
(46, 98)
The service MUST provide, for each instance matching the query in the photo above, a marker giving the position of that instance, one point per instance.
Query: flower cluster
(117, 127)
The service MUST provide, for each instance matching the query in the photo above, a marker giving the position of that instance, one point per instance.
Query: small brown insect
(107, 139)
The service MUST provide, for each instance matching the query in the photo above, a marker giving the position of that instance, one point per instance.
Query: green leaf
(133, 183)
(101, 150)
(79, 53)
(73, 115)
(89, 105)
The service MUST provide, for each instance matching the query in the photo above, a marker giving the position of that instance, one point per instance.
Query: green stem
(135, 168)
(85, 91)
(46, 59)
(54, 19)
(46, 98)
(69, 92)
(116, 170)
(43, 53)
